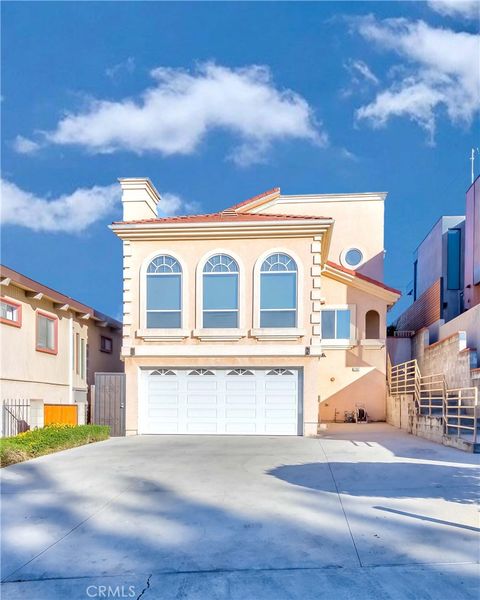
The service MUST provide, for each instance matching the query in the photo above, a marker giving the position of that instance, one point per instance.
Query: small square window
(10, 312)
(106, 344)
(336, 324)
(47, 333)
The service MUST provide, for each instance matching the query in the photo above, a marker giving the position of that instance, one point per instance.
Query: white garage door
(220, 401)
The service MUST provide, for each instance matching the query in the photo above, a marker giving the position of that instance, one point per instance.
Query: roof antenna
(472, 160)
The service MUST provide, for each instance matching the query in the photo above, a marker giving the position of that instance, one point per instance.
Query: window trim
(343, 257)
(83, 358)
(270, 332)
(53, 318)
(341, 343)
(18, 306)
(153, 333)
(105, 337)
(231, 333)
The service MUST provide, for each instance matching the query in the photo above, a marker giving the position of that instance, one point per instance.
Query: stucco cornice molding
(200, 350)
(316, 199)
(300, 228)
(360, 284)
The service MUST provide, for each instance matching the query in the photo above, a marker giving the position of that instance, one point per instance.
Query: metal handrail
(454, 421)
(430, 393)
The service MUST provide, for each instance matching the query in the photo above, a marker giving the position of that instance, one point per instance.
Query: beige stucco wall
(341, 380)
(190, 253)
(309, 376)
(103, 362)
(25, 372)
(358, 373)
(357, 224)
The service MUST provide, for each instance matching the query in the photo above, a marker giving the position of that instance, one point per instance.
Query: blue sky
(216, 102)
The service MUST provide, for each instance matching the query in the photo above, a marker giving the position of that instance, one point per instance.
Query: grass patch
(47, 440)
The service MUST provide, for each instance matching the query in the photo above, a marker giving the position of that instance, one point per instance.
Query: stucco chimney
(139, 198)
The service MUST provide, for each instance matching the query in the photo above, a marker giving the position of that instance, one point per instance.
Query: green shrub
(51, 438)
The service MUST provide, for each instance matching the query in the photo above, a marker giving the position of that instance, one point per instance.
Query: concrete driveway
(363, 512)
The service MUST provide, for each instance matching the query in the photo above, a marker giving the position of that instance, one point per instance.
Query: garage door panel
(161, 413)
(241, 428)
(202, 385)
(282, 400)
(282, 384)
(202, 412)
(161, 384)
(214, 402)
(160, 400)
(280, 429)
(242, 413)
(230, 399)
(206, 399)
(202, 427)
(241, 386)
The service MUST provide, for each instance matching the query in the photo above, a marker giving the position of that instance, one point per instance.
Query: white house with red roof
(267, 318)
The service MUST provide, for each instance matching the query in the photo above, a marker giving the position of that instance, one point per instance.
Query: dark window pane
(212, 320)
(163, 320)
(453, 259)
(277, 318)
(164, 292)
(220, 292)
(278, 290)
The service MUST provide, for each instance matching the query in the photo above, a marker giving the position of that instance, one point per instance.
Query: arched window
(164, 293)
(372, 325)
(278, 291)
(220, 292)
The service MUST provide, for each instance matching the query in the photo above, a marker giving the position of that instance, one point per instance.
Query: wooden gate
(109, 402)
(60, 413)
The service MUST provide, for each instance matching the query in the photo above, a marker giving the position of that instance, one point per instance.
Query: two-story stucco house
(51, 345)
(265, 318)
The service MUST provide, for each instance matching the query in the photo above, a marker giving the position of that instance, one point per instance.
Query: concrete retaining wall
(398, 411)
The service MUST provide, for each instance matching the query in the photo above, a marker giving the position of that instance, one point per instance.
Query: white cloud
(443, 73)
(126, 66)
(468, 9)
(361, 68)
(69, 213)
(175, 115)
(23, 145)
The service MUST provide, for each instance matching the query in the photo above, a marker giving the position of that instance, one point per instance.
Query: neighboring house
(447, 277)
(441, 329)
(51, 345)
(266, 318)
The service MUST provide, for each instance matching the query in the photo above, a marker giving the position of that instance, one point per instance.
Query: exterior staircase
(457, 408)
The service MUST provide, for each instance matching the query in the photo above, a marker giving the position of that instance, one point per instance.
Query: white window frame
(160, 334)
(341, 343)
(343, 257)
(277, 333)
(220, 334)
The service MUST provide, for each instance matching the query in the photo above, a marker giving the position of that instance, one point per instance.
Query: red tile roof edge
(364, 277)
(222, 216)
(56, 296)
(253, 198)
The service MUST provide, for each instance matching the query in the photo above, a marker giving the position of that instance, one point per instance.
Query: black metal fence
(15, 417)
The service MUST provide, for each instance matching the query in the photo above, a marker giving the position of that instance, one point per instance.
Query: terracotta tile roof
(219, 217)
(364, 277)
(34, 286)
(274, 190)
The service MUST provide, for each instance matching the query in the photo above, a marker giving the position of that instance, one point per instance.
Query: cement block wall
(449, 356)
(429, 428)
